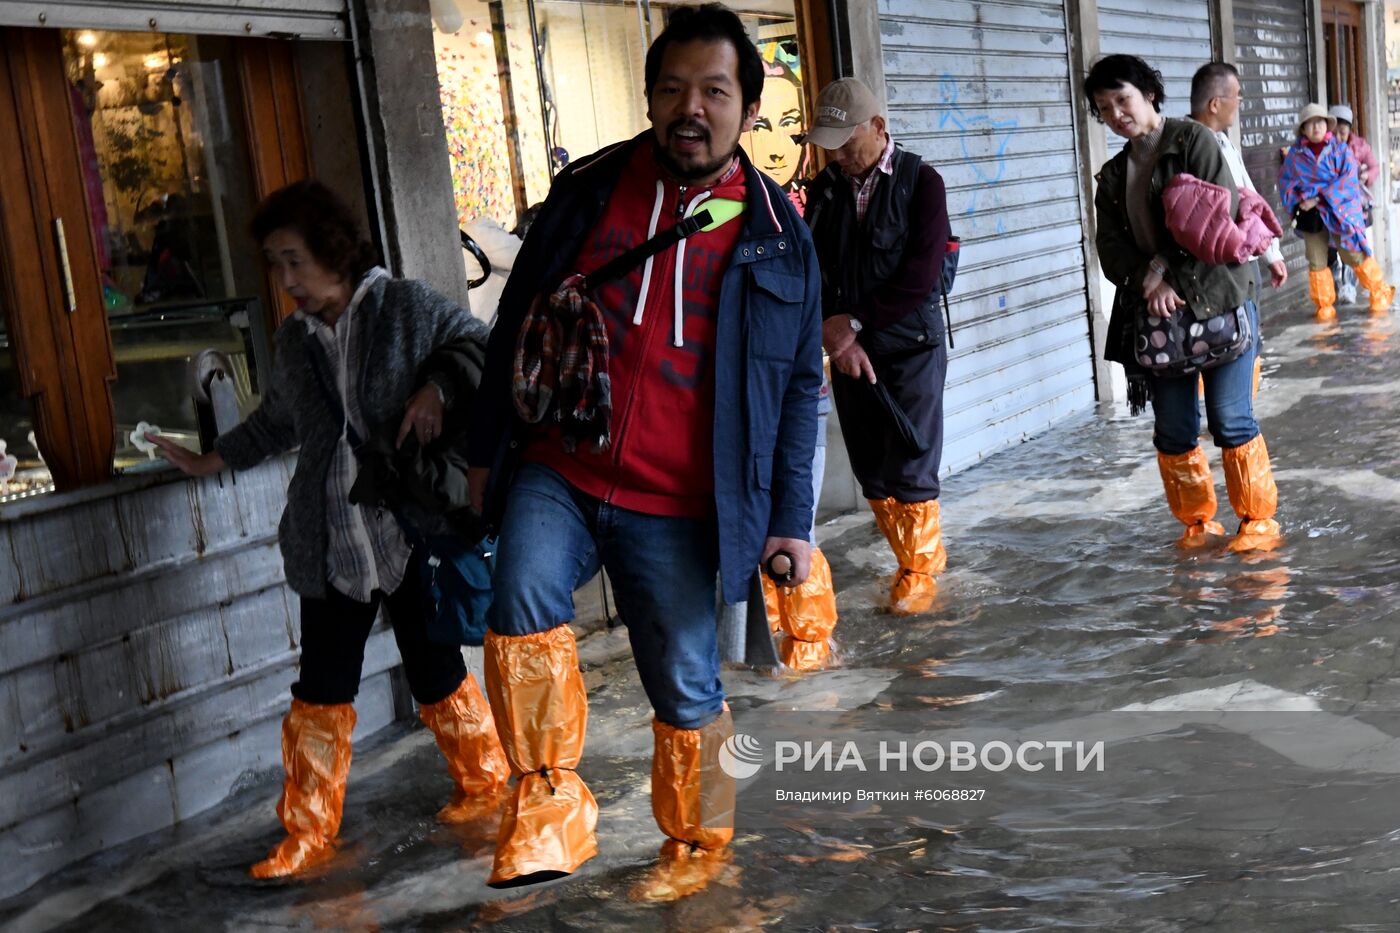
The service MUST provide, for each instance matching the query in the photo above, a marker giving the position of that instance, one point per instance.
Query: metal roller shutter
(982, 91)
(1172, 36)
(308, 19)
(1272, 39)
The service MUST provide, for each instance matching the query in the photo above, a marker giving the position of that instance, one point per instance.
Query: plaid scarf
(561, 363)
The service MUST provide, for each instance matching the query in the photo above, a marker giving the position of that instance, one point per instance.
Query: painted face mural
(770, 143)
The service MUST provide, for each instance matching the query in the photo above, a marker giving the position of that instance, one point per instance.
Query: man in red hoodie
(713, 367)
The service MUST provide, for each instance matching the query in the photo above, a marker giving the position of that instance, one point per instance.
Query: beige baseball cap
(842, 106)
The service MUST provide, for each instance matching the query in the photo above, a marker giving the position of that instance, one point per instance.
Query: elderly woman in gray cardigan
(350, 367)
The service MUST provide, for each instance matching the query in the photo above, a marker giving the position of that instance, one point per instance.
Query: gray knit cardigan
(399, 323)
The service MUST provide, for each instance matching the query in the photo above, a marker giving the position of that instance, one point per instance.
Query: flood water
(1252, 706)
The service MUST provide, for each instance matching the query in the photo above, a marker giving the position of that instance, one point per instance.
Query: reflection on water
(1065, 599)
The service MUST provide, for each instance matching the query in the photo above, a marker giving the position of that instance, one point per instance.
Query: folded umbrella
(912, 439)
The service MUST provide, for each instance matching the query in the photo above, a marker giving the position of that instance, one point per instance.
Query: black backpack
(950, 273)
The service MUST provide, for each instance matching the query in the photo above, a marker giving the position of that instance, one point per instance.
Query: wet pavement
(1064, 603)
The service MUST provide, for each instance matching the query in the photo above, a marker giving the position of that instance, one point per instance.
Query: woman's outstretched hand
(188, 461)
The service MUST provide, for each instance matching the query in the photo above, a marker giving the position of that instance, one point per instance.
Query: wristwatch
(856, 325)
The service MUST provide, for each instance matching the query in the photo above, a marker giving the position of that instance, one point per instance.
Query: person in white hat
(1321, 190)
(1368, 169)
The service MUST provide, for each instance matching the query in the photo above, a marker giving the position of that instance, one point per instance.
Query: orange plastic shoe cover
(803, 655)
(808, 617)
(680, 871)
(915, 535)
(691, 796)
(1190, 494)
(693, 802)
(1372, 278)
(1249, 478)
(316, 755)
(466, 735)
(541, 710)
(1323, 292)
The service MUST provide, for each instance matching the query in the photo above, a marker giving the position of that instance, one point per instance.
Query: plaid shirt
(367, 549)
(864, 188)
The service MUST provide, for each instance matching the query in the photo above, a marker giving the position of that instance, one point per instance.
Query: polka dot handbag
(1183, 346)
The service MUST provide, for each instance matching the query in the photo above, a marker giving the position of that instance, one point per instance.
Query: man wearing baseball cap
(879, 220)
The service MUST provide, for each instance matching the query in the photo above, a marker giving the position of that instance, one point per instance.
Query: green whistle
(721, 211)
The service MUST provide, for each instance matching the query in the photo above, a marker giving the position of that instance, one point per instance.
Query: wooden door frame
(60, 339)
(819, 65)
(1347, 13)
(274, 117)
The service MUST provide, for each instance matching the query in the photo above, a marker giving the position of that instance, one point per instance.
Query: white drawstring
(646, 269)
(678, 327)
(342, 340)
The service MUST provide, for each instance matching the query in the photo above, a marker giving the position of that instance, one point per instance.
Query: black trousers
(333, 635)
(883, 465)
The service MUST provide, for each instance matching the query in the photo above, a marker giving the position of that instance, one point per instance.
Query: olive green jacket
(1208, 290)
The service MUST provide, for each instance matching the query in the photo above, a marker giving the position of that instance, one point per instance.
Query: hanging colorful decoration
(474, 121)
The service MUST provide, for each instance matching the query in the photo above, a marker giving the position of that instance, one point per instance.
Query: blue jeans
(1229, 403)
(554, 538)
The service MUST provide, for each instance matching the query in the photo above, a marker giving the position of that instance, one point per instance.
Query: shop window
(529, 85)
(167, 180)
(126, 268)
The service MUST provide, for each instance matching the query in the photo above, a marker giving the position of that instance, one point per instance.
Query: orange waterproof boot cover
(916, 538)
(771, 604)
(1372, 279)
(1249, 477)
(1258, 372)
(809, 617)
(1190, 495)
(691, 796)
(1323, 291)
(680, 871)
(316, 755)
(541, 710)
(693, 802)
(466, 736)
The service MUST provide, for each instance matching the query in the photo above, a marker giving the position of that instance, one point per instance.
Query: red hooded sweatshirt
(661, 460)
